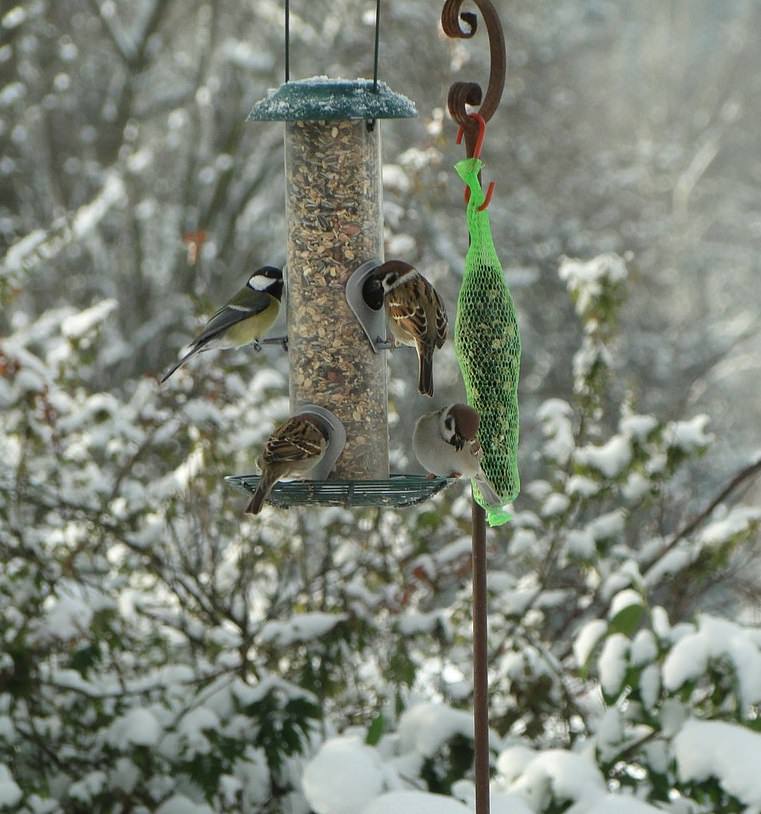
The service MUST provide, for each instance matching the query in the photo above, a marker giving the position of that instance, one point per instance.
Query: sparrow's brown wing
(407, 307)
(298, 440)
(441, 319)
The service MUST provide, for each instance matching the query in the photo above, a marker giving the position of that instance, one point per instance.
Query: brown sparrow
(416, 313)
(446, 444)
(292, 449)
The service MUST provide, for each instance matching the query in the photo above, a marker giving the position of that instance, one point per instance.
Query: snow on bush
(163, 653)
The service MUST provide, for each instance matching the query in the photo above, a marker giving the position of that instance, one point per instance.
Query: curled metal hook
(470, 93)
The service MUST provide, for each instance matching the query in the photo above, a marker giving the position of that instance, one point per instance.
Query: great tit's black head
(269, 279)
(392, 273)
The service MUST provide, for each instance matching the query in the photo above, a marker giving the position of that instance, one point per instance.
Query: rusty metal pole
(480, 661)
(460, 95)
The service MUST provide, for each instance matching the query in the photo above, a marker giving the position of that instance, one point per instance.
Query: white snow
(560, 774)
(90, 215)
(191, 730)
(587, 638)
(513, 760)
(582, 485)
(179, 804)
(644, 648)
(686, 660)
(584, 279)
(10, 793)
(581, 543)
(671, 563)
(68, 617)
(395, 177)
(412, 802)
(737, 521)
(650, 685)
(610, 733)
(730, 753)
(607, 526)
(610, 459)
(11, 93)
(636, 487)
(23, 248)
(623, 599)
(612, 663)
(13, 18)
(343, 776)
(246, 56)
(556, 415)
(502, 803)
(139, 727)
(88, 787)
(714, 639)
(637, 426)
(300, 628)
(555, 504)
(424, 728)
(619, 804)
(691, 435)
(81, 323)
(414, 622)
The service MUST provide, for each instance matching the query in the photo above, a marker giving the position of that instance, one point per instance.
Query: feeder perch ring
(372, 320)
(396, 491)
(336, 439)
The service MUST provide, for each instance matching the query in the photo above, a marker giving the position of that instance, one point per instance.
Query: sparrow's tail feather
(266, 485)
(489, 495)
(182, 361)
(425, 373)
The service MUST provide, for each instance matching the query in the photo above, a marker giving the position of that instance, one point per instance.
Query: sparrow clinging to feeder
(416, 313)
(446, 444)
(243, 319)
(292, 449)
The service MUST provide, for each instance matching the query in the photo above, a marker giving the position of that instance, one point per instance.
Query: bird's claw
(272, 340)
(385, 344)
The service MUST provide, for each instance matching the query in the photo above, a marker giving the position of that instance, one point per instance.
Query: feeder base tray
(398, 490)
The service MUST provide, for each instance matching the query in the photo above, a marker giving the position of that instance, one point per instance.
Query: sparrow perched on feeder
(416, 313)
(243, 319)
(292, 449)
(446, 445)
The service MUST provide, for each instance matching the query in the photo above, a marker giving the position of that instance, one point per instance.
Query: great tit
(243, 319)
(416, 313)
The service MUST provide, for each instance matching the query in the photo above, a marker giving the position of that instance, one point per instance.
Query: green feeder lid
(321, 99)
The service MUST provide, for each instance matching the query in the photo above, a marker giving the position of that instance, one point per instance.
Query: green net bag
(488, 348)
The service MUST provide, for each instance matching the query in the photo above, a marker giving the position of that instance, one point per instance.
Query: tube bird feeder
(334, 207)
(335, 223)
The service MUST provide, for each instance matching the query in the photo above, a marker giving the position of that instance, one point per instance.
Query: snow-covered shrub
(163, 653)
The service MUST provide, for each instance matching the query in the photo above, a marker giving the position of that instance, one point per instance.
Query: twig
(695, 522)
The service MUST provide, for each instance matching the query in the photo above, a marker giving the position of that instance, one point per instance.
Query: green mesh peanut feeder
(488, 348)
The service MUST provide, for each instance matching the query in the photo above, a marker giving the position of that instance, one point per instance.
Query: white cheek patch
(260, 282)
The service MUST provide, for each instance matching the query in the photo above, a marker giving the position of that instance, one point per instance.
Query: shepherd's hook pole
(462, 95)
(480, 661)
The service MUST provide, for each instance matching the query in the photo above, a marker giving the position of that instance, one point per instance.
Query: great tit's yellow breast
(254, 327)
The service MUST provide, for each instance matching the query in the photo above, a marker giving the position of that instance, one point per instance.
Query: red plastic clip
(477, 154)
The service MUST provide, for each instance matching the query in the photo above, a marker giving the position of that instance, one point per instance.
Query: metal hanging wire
(376, 49)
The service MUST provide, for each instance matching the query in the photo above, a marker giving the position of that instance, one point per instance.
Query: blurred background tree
(158, 648)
